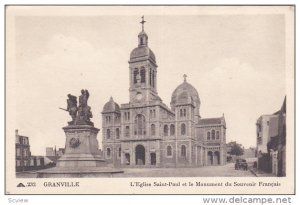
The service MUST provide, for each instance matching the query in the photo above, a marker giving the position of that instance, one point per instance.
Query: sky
(236, 62)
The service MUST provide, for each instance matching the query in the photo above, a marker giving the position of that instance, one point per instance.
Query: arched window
(184, 112)
(213, 136)
(108, 134)
(151, 113)
(181, 113)
(117, 133)
(143, 75)
(183, 129)
(127, 131)
(120, 151)
(166, 130)
(141, 41)
(135, 73)
(169, 151)
(150, 77)
(152, 129)
(183, 150)
(208, 135)
(172, 129)
(153, 80)
(108, 152)
(217, 135)
(140, 125)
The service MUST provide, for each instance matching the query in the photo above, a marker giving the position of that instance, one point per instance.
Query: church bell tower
(143, 70)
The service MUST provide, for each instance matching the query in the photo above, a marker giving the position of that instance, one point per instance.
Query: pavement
(259, 173)
(26, 174)
(206, 171)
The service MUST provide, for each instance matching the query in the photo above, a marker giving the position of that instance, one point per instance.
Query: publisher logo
(20, 185)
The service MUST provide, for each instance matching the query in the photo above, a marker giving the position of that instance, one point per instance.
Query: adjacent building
(24, 160)
(249, 152)
(53, 154)
(37, 162)
(271, 142)
(23, 153)
(277, 144)
(266, 128)
(145, 132)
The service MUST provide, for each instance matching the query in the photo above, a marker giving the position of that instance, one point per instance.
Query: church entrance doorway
(140, 155)
(210, 158)
(153, 158)
(127, 159)
(217, 158)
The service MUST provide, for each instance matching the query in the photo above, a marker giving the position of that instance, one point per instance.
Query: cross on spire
(142, 22)
(184, 77)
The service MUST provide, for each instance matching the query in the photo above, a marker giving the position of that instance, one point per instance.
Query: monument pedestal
(81, 147)
(82, 157)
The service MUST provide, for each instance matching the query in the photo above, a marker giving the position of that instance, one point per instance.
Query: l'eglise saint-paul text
(171, 184)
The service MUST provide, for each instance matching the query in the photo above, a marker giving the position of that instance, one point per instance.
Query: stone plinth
(82, 149)
(82, 157)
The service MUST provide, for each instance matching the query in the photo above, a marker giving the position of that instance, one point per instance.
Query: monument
(81, 148)
(82, 157)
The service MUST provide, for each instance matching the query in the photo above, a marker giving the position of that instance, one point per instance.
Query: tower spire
(143, 22)
(143, 38)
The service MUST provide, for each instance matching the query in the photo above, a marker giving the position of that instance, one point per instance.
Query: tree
(236, 149)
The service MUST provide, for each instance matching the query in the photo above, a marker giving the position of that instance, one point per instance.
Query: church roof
(282, 109)
(111, 106)
(142, 51)
(210, 121)
(143, 33)
(185, 93)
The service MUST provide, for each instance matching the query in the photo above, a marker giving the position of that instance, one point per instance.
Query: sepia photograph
(150, 99)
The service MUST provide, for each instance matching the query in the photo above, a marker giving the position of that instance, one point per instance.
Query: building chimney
(17, 132)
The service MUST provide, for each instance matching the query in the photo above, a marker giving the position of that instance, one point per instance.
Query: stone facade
(23, 154)
(24, 160)
(271, 142)
(81, 147)
(266, 128)
(147, 133)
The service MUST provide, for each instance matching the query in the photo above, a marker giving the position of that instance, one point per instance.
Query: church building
(147, 133)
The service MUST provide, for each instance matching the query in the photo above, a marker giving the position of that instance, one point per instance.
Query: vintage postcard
(150, 99)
